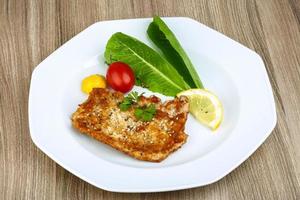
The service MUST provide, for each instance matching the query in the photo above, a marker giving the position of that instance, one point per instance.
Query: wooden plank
(31, 30)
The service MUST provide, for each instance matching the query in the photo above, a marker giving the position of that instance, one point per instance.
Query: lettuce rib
(166, 41)
(151, 70)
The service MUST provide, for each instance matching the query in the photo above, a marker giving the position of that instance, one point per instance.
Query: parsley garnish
(145, 113)
(132, 98)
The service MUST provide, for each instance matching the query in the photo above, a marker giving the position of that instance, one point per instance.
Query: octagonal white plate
(233, 72)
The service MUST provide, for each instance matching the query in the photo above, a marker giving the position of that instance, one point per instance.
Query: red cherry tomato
(120, 77)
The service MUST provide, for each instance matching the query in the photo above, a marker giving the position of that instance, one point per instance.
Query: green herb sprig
(143, 113)
(132, 98)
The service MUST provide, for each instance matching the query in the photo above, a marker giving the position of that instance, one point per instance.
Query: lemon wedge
(93, 81)
(204, 106)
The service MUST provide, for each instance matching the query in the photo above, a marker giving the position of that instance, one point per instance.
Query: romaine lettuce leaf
(151, 70)
(166, 41)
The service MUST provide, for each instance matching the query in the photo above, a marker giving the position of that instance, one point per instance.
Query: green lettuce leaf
(151, 70)
(166, 41)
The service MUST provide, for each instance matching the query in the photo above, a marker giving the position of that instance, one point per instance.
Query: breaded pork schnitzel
(101, 118)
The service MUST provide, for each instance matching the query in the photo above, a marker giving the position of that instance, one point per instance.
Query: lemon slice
(205, 107)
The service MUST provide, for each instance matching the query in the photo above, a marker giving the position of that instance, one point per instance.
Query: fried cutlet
(100, 117)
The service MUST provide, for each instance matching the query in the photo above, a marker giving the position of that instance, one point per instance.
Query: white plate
(233, 72)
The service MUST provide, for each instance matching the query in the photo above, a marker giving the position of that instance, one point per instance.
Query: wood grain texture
(31, 30)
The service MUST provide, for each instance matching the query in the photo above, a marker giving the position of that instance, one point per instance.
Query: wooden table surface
(31, 30)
